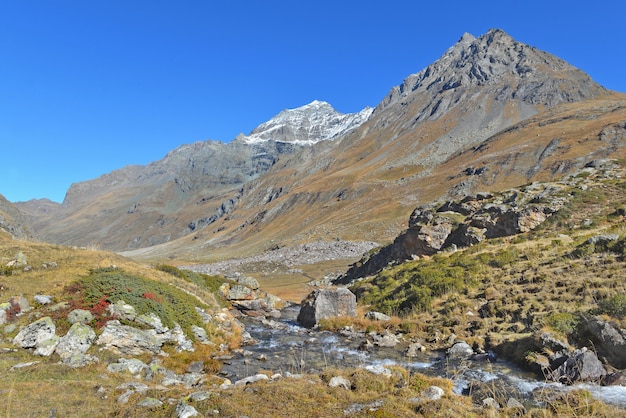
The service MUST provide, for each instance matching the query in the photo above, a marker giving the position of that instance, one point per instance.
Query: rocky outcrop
(326, 303)
(463, 223)
(559, 361)
(250, 299)
(127, 340)
(579, 366)
(609, 341)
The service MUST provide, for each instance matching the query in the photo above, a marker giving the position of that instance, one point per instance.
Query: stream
(283, 346)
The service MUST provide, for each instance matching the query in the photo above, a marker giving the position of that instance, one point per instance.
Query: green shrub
(108, 285)
(563, 322)
(503, 258)
(614, 306)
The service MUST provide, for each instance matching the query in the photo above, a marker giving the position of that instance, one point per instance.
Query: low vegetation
(496, 293)
(504, 289)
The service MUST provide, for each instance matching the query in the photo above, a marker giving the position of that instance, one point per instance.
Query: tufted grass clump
(104, 286)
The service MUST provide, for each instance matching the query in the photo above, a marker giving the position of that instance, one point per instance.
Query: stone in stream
(326, 303)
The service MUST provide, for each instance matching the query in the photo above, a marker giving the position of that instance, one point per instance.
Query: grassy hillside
(502, 290)
(49, 388)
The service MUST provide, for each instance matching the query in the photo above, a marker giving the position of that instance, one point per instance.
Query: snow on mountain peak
(308, 124)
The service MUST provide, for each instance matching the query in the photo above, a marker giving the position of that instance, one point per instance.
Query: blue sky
(87, 87)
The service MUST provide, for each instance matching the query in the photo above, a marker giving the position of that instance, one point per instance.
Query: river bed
(282, 346)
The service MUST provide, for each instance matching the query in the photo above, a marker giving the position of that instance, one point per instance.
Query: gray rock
(34, 334)
(432, 393)
(181, 340)
(43, 299)
(460, 350)
(150, 403)
(236, 292)
(609, 341)
(326, 303)
(184, 410)
(251, 379)
(77, 360)
(3, 317)
(77, 340)
(153, 321)
(340, 381)
(127, 340)
(79, 315)
(377, 316)
(46, 347)
(133, 366)
(581, 366)
(122, 310)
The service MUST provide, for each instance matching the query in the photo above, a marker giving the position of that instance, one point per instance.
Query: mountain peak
(308, 124)
(506, 68)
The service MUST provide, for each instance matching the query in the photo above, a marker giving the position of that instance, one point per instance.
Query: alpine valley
(477, 211)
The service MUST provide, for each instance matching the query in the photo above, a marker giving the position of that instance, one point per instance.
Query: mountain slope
(191, 187)
(491, 113)
(12, 221)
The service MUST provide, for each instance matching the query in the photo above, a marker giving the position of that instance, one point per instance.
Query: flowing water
(284, 347)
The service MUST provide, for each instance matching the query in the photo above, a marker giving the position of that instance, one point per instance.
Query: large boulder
(609, 341)
(236, 292)
(326, 303)
(581, 366)
(39, 335)
(127, 340)
(77, 340)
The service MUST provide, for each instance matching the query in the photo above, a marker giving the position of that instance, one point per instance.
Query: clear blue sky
(87, 87)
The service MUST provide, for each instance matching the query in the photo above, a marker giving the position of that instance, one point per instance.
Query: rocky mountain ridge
(490, 113)
(205, 173)
(307, 125)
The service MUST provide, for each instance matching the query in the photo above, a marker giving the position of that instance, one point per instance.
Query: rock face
(463, 223)
(326, 303)
(580, 366)
(609, 341)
